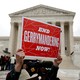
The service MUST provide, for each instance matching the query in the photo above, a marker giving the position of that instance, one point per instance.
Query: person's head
(12, 55)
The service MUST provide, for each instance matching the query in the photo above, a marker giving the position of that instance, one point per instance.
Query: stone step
(68, 71)
(3, 72)
(3, 75)
(69, 74)
(67, 63)
(63, 74)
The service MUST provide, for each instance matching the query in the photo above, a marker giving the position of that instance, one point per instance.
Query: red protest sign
(40, 39)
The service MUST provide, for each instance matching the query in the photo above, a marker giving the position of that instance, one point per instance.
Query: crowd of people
(25, 69)
(6, 62)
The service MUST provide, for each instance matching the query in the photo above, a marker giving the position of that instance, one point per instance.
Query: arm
(15, 73)
(55, 67)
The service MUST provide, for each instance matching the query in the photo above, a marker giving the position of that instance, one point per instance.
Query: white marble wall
(76, 54)
(4, 43)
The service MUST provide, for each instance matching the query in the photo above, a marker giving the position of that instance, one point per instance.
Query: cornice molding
(41, 10)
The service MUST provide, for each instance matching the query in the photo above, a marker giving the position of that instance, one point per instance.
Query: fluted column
(11, 39)
(53, 23)
(62, 39)
(19, 39)
(71, 36)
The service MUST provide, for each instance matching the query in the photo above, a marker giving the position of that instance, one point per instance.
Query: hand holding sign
(40, 39)
(20, 56)
(58, 60)
(19, 59)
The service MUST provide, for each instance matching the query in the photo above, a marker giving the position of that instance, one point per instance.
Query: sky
(10, 6)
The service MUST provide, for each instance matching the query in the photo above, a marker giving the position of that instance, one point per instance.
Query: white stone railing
(77, 48)
(76, 55)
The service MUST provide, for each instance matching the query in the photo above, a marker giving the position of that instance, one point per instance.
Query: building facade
(76, 54)
(4, 44)
(47, 14)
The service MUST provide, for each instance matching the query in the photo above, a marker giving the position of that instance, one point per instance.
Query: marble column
(19, 39)
(11, 39)
(71, 36)
(53, 23)
(62, 39)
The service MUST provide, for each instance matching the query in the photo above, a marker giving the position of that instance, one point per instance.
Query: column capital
(19, 22)
(11, 23)
(53, 23)
(15, 22)
(71, 22)
(62, 26)
(62, 23)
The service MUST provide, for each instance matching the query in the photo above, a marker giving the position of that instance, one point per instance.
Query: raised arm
(55, 67)
(15, 73)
